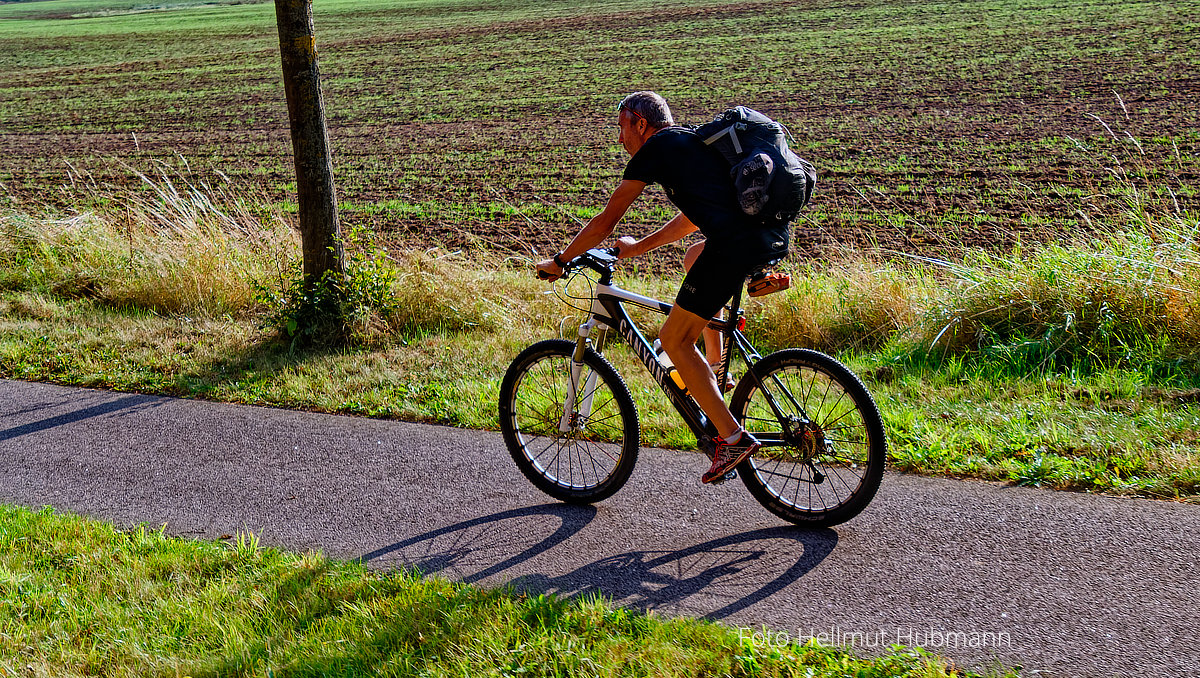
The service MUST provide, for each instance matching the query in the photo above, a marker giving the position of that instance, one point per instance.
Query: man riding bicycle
(696, 179)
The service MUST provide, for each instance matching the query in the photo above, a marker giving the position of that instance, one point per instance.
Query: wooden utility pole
(320, 232)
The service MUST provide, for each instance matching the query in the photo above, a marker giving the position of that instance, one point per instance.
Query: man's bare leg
(678, 336)
(712, 339)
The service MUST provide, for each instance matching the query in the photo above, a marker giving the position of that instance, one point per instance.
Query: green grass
(1110, 431)
(145, 201)
(1070, 366)
(81, 598)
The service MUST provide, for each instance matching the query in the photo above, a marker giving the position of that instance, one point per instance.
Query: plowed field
(933, 125)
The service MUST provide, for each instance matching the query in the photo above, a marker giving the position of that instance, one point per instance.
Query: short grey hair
(650, 107)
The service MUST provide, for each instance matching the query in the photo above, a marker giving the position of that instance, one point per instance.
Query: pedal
(768, 284)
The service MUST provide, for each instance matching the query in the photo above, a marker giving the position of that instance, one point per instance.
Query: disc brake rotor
(806, 437)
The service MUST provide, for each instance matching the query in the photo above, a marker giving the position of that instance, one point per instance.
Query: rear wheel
(823, 449)
(584, 456)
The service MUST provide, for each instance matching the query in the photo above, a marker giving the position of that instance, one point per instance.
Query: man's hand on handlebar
(597, 259)
(626, 247)
(549, 270)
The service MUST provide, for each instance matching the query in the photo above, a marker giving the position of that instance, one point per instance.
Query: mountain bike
(571, 425)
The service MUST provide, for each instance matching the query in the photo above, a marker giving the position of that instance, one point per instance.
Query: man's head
(639, 116)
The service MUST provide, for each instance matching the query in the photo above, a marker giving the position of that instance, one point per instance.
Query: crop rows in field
(933, 125)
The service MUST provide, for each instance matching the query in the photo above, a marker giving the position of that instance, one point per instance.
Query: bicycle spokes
(571, 427)
(822, 442)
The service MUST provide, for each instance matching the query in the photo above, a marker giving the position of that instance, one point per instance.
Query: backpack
(772, 182)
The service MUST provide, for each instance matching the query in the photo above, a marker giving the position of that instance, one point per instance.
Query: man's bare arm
(673, 230)
(597, 228)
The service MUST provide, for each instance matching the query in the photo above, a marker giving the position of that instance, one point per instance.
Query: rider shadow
(714, 579)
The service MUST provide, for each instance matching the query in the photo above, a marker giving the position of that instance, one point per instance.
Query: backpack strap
(737, 145)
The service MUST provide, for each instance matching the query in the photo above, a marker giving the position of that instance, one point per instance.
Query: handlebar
(599, 259)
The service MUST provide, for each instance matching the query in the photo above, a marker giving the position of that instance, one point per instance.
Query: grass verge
(1072, 366)
(80, 598)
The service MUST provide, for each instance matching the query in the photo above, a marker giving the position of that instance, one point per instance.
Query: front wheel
(823, 447)
(579, 455)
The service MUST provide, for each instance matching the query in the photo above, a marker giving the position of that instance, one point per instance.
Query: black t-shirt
(696, 179)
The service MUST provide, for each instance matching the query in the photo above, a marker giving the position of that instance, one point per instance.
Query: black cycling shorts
(713, 279)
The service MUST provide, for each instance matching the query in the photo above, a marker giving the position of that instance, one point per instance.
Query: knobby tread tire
(528, 420)
(778, 485)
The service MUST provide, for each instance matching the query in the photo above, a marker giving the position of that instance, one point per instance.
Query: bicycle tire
(829, 451)
(588, 463)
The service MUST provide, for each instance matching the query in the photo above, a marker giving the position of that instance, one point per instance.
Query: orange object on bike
(771, 282)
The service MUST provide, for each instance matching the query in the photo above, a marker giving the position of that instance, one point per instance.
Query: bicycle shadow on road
(713, 579)
(481, 547)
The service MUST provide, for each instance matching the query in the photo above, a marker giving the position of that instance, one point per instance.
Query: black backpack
(772, 182)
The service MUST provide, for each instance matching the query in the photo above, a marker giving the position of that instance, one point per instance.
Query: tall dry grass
(858, 301)
(178, 246)
(187, 252)
(1126, 289)
(182, 244)
(1108, 298)
(1101, 298)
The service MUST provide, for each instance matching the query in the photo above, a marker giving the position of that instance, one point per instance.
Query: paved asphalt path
(1063, 584)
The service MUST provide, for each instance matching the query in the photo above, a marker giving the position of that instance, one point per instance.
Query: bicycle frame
(608, 312)
(823, 470)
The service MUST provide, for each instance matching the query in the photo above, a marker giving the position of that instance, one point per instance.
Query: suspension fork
(575, 417)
